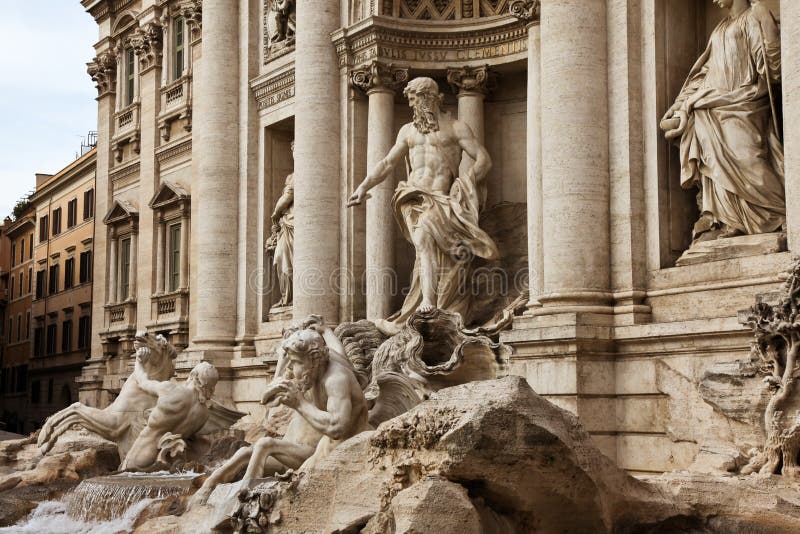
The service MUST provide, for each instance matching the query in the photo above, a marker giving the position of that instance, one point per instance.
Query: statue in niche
(437, 209)
(281, 22)
(725, 120)
(181, 411)
(281, 241)
(320, 385)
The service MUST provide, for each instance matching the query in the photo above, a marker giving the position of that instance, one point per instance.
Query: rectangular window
(28, 325)
(72, 213)
(50, 391)
(21, 284)
(53, 286)
(56, 221)
(69, 273)
(22, 250)
(174, 257)
(36, 390)
(30, 279)
(38, 342)
(88, 204)
(30, 246)
(10, 328)
(40, 284)
(85, 267)
(52, 338)
(13, 254)
(19, 327)
(84, 332)
(179, 48)
(22, 378)
(66, 336)
(125, 267)
(43, 228)
(11, 288)
(130, 62)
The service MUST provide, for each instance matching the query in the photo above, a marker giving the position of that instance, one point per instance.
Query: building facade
(18, 267)
(61, 285)
(198, 105)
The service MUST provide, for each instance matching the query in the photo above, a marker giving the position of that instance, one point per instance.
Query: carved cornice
(528, 11)
(377, 76)
(192, 13)
(471, 79)
(495, 41)
(103, 71)
(147, 41)
(101, 9)
(275, 89)
(169, 152)
(124, 172)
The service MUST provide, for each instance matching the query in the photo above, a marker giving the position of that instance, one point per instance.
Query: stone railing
(170, 308)
(127, 118)
(176, 103)
(120, 317)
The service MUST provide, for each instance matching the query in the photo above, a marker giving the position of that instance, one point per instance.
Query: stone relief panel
(280, 20)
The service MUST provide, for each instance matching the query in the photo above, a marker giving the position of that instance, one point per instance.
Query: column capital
(192, 13)
(378, 76)
(147, 41)
(103, 72)
(465, 80)
(528, 11)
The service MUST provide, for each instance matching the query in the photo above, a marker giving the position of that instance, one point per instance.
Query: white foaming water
(50, 517)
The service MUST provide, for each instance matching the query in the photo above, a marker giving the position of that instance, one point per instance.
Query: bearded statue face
(425, 106)
(301, 369)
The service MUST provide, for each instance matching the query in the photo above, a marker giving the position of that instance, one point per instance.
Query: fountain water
(105, 505)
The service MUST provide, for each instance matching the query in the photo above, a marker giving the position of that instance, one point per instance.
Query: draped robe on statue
(730, 148)
(283, 257)
(452, 221)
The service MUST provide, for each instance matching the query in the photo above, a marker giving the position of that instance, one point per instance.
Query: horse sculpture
(124, 418)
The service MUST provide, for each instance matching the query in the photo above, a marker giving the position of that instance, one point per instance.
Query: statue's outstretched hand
(358, 196)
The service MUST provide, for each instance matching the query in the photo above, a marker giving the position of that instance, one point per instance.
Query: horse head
(156, 355)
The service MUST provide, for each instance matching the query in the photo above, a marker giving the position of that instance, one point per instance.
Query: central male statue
(437, 209)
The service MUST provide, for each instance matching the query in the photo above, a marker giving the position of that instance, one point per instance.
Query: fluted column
(161, 242)
(527, 11)
(379, 81)
(184, 272)
(471, 84)
(575, 177)
(215, 142)
(790, 72)
(113, 267)
(317, 197)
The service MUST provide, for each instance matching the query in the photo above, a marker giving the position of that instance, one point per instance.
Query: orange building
(62, 285)
(17, 274)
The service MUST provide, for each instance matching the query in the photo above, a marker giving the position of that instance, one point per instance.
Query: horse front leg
(101, 422)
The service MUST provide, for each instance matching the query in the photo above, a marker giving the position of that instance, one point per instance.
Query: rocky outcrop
(504, 459)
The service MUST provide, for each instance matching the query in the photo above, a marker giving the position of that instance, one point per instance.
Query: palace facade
(199, 103)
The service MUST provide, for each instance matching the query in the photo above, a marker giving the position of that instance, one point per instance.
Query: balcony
(176, 104)
(170, 313)
(119, 319)
(127, 124)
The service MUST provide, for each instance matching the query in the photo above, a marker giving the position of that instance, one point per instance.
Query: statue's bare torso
(432, 156)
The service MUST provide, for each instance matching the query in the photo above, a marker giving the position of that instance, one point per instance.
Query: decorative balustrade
(176, 103)
(127, 118)
(170, 309)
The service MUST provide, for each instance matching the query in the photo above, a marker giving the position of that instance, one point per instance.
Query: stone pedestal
(733, 247)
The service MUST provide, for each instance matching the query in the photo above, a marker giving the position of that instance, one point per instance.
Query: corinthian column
(317, 197)
(379, 82)
(215, 142)
(471, 84)
(527, 11)
(575, 177)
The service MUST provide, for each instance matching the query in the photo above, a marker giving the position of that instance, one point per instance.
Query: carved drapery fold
(528, 11)
(377, 75)
(103, 71)
(147, 41)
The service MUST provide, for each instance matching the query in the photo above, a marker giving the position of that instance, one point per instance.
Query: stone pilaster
(113, 267)
(790, 71)
(185, 233)
(133, 271)
(215, 145)
(380, 81)
(161, 246)
(527, 11)
(317, 163)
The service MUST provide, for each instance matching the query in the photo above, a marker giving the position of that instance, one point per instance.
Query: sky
(46, 98)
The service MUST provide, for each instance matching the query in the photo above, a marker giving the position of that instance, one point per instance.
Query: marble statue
(437, 209)
(725, 121)
(122, 419)
(281, 240)
(329, 407)
(776, 345)
(281, 22)
(181, 411)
